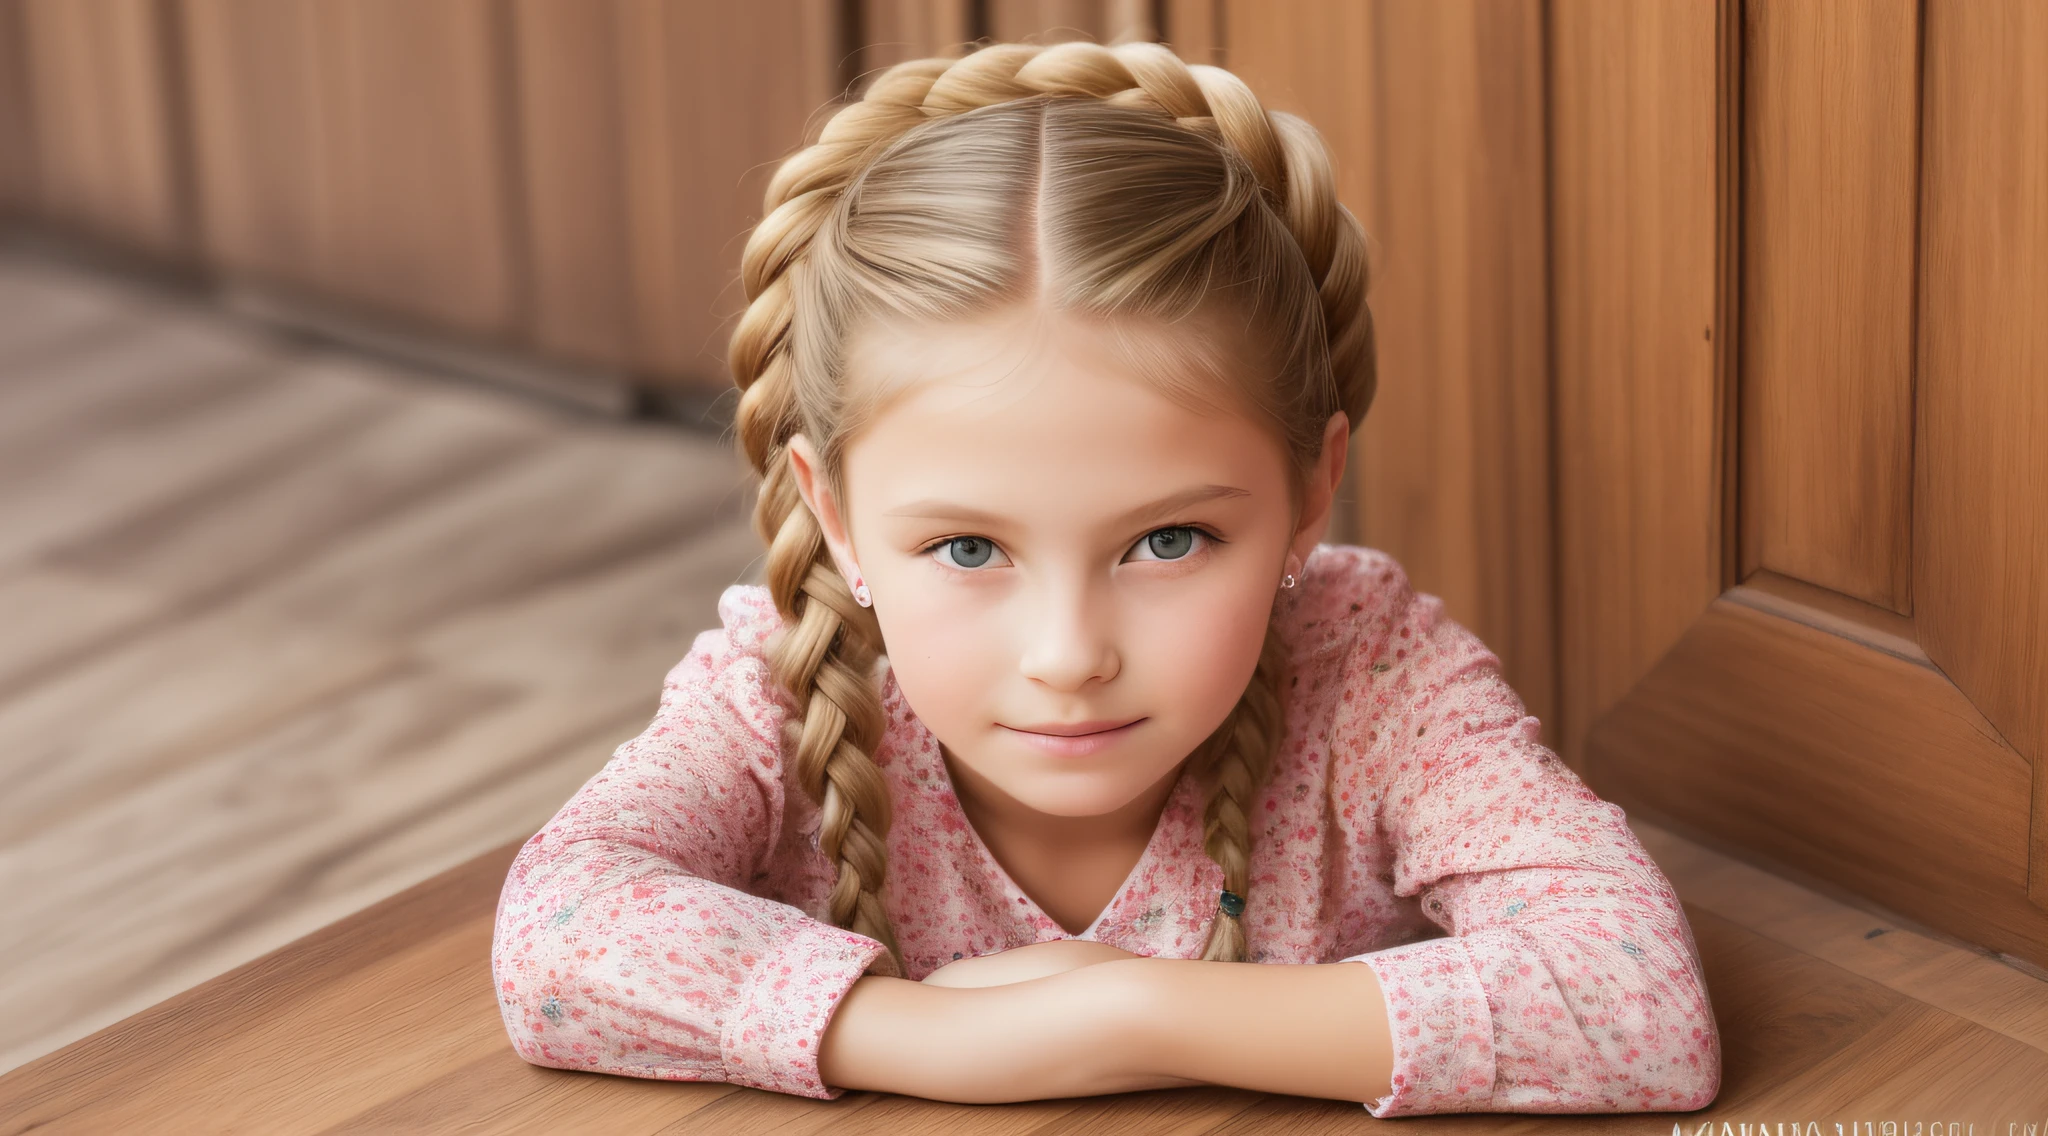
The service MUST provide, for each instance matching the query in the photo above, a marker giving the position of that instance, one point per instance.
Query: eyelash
(1203, 530)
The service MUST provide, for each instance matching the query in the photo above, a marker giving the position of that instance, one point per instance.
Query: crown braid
(825, 656)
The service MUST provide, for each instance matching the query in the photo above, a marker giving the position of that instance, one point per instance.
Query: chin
(1081, 792)
(1075, 805)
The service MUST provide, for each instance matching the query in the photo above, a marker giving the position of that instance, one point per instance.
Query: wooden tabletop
(386, 1021)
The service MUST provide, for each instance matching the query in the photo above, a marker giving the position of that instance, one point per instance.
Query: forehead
(1035, 412)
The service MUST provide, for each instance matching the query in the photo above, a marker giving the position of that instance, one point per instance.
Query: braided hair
(1114, 181)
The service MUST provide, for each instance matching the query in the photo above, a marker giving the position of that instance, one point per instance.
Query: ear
(1322, 487)
(816, 491)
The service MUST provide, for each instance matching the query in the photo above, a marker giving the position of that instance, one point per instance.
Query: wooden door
(1799, 265)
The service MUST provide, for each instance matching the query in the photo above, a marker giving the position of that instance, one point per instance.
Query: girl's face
(1054, 547)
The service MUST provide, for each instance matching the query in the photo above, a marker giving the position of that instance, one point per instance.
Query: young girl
(1054, 705)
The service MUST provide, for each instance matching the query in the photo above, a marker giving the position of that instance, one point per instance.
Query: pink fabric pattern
(668, 921)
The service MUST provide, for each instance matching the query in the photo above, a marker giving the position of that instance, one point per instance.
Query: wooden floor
(286, 631)
(283, 631)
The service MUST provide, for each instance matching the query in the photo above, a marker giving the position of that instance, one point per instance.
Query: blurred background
(362, 396)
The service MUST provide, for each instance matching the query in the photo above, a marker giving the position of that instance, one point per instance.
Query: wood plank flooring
(287, 630)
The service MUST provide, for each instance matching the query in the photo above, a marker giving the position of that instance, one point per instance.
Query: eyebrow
(1165, 506)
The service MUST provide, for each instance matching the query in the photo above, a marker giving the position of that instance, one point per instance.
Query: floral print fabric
(668, 922)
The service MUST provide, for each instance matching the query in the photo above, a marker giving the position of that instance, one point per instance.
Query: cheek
(1201, 650)
(945, 656)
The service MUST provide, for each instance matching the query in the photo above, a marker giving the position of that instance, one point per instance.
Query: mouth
(1075, 739)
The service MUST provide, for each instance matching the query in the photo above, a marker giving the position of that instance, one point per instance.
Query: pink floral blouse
(668, 921)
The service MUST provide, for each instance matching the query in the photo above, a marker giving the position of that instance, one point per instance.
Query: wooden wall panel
(1636, 160)
(1981, 508)
(1194, 29)
(1456, 463)
(895, 30)
(698, 156)
(572, 166)
(421, 213)
(1318, 77)
(1048, 20)
(1829, 169)
(105, 121)
(17, 161)
(1435, 116)
(256, 147)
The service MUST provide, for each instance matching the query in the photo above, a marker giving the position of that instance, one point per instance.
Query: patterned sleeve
(625, 942)
(1569, 980)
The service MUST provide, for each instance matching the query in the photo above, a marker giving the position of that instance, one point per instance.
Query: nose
(1069, 639)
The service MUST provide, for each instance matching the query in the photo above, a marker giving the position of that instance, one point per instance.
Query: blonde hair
(1107, 182)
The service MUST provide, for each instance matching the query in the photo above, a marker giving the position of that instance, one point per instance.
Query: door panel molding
(1857, 765)
(1828, 203)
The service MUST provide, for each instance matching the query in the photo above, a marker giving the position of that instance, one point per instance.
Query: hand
(1086, 1032)
(1022, 964)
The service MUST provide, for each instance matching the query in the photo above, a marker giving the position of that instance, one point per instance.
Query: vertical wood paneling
(715, 94)
(1635, 160)
(103, 103)
(420, 214)
(1129, 20)
(1456, 464)
(1049, 21)
(1829, 170)
(256, 145)
(1434, 115)
(1194, 29)
(1317, 76)
(896, 30)
(17, 161)
(575, 177)
(573, 167)
(1981, 491)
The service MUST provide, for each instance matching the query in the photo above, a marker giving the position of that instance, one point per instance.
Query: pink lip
(1078, 739)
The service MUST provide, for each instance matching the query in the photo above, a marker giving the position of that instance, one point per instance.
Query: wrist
(1083, 1032)
(1120, 997)
(1152, 1020)
(1319, 1030)
(1119, 1039)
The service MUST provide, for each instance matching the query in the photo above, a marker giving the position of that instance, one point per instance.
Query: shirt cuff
(771, 1041)
(1441, 1025)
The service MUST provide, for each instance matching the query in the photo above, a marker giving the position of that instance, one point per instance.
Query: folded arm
(625, 941)
(1117, 1026)
(1569, 980)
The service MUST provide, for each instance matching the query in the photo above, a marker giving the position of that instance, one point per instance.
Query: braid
(1242, 757)
(824, 658)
